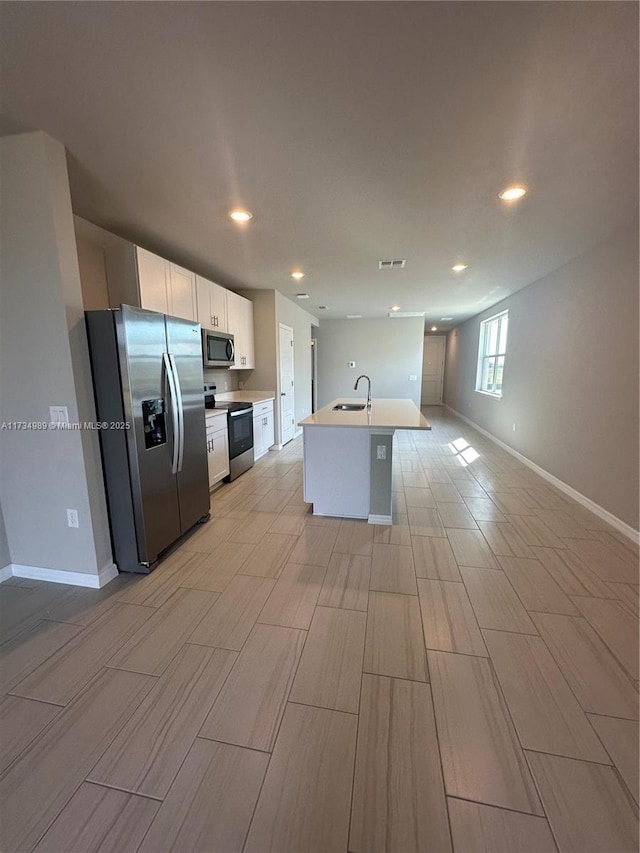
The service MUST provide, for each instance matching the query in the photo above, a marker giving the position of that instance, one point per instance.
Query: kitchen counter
(348, 457)
(384, 414)
(247, 396)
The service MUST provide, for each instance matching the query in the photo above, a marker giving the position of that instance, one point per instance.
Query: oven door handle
(241, 412)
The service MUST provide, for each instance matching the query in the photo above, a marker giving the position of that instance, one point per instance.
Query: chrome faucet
(355, 387)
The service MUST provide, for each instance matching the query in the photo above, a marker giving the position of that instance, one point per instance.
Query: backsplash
(225, 380)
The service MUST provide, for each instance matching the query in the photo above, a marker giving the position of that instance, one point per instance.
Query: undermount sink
(349, 407)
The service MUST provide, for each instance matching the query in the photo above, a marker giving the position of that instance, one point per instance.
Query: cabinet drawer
(262, 408)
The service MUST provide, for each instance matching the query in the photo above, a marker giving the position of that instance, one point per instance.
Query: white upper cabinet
(240, 325)
(182, 293)
(212, 305)
(153, 278)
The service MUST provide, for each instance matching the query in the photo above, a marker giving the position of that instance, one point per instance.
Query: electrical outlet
(72, 518)
(381, 451)
(413, 377)
(240, 386)
(58, 415)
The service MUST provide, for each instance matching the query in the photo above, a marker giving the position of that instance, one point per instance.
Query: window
(493, 346)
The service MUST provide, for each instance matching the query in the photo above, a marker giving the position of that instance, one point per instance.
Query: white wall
(5, 556)
(571, 374)
(388, 350)
(44, 361)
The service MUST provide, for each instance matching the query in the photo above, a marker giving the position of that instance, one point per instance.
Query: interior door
(287, 426)
(432, 370)
(183, 339)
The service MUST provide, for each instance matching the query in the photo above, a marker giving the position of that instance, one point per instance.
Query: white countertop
(247, 396)
(384, 414)
(215, 413)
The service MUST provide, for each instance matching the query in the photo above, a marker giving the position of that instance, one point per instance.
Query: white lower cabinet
(263, 432)
(217, 448)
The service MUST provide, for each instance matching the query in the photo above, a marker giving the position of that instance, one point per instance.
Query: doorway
(287, 409)
(433, 370)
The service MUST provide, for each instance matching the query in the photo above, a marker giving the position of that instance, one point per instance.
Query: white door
(432, 370)
(287, 426)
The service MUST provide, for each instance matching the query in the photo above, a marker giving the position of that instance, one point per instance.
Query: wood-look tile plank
(147, 753)
(100, 820)
(250, 706)
(154, 589)
(495, 603)
(209, 535)
(534, 531)
(424, 522)
(210, 804)
(21, 720)
(587, 805)
(616, 626)
(229, 622)
(620, 738)
(253, 526)
(346, 583)
(597, 679)
(510, 504)
(433, 558)
(419, 496)
(456, 515)
(215, 571)
(627, 594)
(152, 647)
(504, 540)
(448, 619)
(415, 479)
(481, 757)
(397, 533)
(331, 665)
(470, 549)
(314, 546)
(24, 652)
(619, 544)
(294, 596)
(392, 569)
(603, 561)
(483, 509)
(289, 522)
(535, 587)
(544, 710)
(486, 829)
(22, 607)
(446, 493)
(304, 802)
(470, 488)
(269, 556)
(562, 524)
(572, 575)
(40, 783)
(272, 502)
(61, 677)
(437, 475)
(394, 643)
(354, 537)
(398, 792)
(83, 606)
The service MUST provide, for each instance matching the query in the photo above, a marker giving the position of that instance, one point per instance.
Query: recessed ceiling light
(354, 316)
(395, 307)
(434, 328)
(297, 274)
(302, 295)
(446, 319)
(513, 193)
(459, 267)
(240, 215)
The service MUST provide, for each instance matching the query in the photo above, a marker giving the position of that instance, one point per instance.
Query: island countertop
(385, 413)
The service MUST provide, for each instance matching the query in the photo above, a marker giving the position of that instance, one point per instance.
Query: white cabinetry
(212, 304)
(263, 435)
(240, 325)
(138, 277)
(217, 448)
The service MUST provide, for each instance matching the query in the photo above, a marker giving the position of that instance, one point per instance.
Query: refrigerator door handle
(180, 408)
(173, 398)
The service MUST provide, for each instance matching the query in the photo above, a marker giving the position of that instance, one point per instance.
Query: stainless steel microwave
(218, 349)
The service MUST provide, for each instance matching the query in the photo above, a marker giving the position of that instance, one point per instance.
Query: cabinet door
(268, 431)
(153, 280)
(258, 442)
(219, 307)
(247, 334)
(234, 311)
(183, 293)
(217, 455)
(203, 300)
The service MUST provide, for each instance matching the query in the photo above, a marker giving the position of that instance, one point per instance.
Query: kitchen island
(348, 456)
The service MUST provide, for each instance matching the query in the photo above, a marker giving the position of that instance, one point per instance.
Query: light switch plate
(58, 415)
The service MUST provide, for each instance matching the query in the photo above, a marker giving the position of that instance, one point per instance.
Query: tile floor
(463, 680)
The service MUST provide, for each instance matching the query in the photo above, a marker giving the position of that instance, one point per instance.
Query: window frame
(484, 354)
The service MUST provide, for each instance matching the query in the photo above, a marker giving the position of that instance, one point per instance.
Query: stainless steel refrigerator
(147, 377)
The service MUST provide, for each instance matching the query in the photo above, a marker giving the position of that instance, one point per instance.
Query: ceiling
(354, 132)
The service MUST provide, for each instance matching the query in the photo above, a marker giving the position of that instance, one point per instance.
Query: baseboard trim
(6, 572)
(380, 519)
(108, 573)
(577, 496)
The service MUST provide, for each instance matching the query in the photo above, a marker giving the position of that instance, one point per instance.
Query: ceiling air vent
(392, 265)
(405, 314)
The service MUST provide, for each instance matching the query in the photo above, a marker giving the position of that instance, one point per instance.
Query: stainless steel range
(240, 427)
